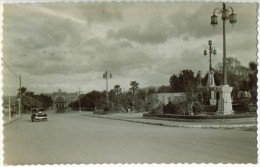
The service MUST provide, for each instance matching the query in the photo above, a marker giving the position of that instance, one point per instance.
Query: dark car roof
(34, 109)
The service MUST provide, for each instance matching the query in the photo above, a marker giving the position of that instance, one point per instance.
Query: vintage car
(35, 110)
(39, 115)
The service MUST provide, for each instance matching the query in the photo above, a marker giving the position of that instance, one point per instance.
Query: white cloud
(70, 45)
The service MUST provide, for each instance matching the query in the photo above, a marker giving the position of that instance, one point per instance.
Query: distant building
(173, 97)
(63, 99)
(243, 94)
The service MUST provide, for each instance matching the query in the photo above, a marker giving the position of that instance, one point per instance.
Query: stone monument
(212, 88)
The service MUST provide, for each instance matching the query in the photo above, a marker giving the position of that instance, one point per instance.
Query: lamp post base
(212, 102)
(225, 101)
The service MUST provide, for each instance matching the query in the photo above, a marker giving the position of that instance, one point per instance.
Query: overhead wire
(10, 69)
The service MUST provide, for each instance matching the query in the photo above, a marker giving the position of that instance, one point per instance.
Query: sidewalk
(138, 118)
(6, 120)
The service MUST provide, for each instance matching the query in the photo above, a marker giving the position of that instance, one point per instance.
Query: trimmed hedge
(210, 108)
(233, 116)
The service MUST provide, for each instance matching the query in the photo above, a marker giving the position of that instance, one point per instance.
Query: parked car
(39, 116)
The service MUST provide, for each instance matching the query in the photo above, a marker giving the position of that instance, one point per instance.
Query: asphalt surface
(72, 138)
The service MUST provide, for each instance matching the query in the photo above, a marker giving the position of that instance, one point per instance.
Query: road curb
(11, 121)
(180, 125)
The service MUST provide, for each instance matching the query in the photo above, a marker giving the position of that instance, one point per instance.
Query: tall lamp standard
(211, 51)
(225, 103)
(211, 82)
(106, 76)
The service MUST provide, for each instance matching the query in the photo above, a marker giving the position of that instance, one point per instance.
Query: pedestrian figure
(123, 110)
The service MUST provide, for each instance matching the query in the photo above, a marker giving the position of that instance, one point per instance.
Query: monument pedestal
(211, 85)
(212, 100)
(225, 102)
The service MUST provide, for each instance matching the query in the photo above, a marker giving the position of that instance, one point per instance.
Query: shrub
(169, 108)
(106, 108)
(210, 108)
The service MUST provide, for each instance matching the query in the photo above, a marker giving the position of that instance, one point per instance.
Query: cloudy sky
(70, 45)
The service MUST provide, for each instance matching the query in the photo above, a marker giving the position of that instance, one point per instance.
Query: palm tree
(117, 89)
(134, 88)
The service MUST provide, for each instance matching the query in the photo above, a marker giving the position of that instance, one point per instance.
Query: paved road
(74, 138)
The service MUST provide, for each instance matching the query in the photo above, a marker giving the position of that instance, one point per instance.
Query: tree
(28, 93)
(111, 95)
(253, 66)
(23, 90)
(94, 99)
(181, 82)
(117, 89)
(240, 77)
(235, 72)
(90, 100)
(218, 77)
(187, 83)
(141, 94)
(174, 83)
(252, 81)
(125, 99)
(45, 100)
(29, 100)
(140, 100)
(198, 78)
(134, 87)
(151, 91)
(164, 89)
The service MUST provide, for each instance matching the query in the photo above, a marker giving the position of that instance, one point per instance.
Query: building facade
(165, 98)
(62, 99)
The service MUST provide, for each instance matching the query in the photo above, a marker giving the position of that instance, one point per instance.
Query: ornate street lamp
(211, 82)
(106, 76)
(214, 21)
(212, 50)
(225, 102)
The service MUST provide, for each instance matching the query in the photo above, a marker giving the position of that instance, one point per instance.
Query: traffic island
(198, 117)
(246, 123)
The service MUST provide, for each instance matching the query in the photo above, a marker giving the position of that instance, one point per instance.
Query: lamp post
(225, 102)
(106, 76)
(211, 82)
(211, 51)
(232, 19)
